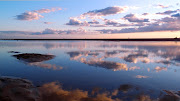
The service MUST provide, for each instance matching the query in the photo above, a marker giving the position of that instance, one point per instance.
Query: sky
(89, 19)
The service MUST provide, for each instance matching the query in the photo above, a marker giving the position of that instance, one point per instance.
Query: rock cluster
(15, 89)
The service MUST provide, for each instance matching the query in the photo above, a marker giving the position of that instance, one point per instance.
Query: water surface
(123, 69)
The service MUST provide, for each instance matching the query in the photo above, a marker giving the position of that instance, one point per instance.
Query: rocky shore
(16, 89)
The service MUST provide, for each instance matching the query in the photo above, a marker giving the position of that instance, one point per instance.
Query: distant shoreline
(139, 39)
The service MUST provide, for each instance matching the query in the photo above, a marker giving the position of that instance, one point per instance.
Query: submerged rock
(125, 87)
(15, 89)
(33, 57)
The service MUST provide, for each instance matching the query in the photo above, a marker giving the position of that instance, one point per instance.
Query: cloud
(106, 11)
(75, 22)
(93, 22)
(114, 23)
(176, 15)
(167, 12)
(43, 10)
(98, 14)
(145, 14)
(166, 20)
(47, 22)
(134, 18)
(54, 31)
(161, 6)
(111, 22)
(29, 16)
(99, 25)
(164, 24)
(35, 15)
(50, 31)
(15, 32)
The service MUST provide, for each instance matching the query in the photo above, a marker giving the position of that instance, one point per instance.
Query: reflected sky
(84, 65)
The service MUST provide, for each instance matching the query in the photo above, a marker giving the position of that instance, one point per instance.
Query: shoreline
(139, 39)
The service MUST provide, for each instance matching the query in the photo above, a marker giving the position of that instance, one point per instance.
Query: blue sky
(116, 18)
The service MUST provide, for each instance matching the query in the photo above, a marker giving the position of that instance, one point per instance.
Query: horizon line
(128, 39)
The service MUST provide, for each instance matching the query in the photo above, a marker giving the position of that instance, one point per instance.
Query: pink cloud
(43, 10)
(47, 22)
(106, 11)
(161, 6)
(134, 18)
(29, 16)
(35, 15)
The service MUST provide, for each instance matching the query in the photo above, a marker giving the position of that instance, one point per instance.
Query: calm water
(120, 68)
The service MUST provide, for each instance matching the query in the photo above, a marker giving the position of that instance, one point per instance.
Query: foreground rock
(33, 57)
(15, 89)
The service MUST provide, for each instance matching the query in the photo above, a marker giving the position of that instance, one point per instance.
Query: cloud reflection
(23, 90)
(141, 77)
(107, 64)
(45, 65)
(133, 57)
(158, 69)
(55, 92)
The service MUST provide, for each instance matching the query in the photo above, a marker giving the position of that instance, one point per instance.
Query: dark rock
(125, 87)
(15, 89)
(33, 57)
